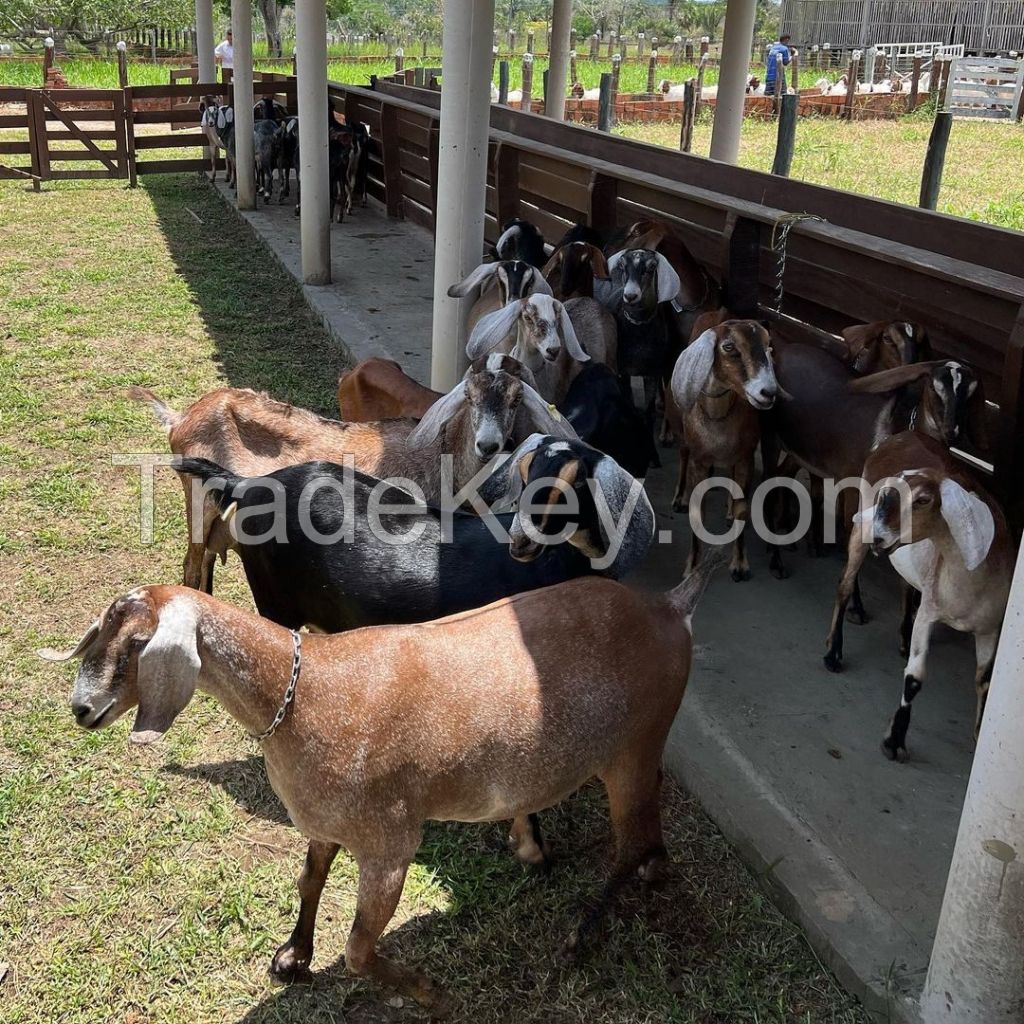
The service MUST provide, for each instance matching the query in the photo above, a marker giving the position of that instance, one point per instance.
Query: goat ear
(554, 262)
(168, 668)
(861, 342)
(692, 369)
(493, 329)
(545, 418)
(977, 419)
(614, 260)
(892, 380)
(49, 654)
(435, 418)
(569, 339)
(540, 285)
(668, 280)
(970, 522)
(475, 279)
(598, 264)
(221, 117)
(502, 488)
(229, 115)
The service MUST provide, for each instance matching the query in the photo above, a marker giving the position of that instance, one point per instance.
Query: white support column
(976, 974)
(241, 76)
(311, 61)
(204, 41)
(462, 176)
(737, 39)
(558, 52)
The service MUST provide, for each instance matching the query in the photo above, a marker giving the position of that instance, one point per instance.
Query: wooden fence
(989, 88)
(863, 260)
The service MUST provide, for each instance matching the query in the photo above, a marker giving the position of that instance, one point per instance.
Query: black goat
(288, 154)
(606, 419)
(360, 579)
(521, 240)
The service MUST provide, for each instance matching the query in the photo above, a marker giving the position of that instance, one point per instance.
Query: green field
(151, 885)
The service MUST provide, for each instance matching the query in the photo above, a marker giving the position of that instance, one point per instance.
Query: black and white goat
(288, 155)
(266, 143)
(218, 124)
(521, 240)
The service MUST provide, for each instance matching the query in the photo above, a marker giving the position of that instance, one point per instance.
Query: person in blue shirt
(781, 48)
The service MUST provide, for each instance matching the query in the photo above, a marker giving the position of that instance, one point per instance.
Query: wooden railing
(864, 259)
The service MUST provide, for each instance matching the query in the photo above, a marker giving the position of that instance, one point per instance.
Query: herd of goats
(452, 672)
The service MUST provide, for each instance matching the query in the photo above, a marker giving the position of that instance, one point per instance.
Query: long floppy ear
(554, 262)
(569, 339)
(862, 344)
(613, 262)
(493, 329)
(692, 369)
(598, 264)
(977, 419)
(49, 654)
(545, 418)
(168, 668)
(475, 279)
(970, 522)
(668, 280)
(434, 419)
(894, 379)
(537, 283)
(616, 486)
(502, 488)
(222, 117)
(229, 115)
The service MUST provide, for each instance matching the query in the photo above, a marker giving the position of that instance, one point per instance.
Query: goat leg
(291, 961)
(380, 888)
(911, 600)
(985, 648)
(894, 743)
(527, 842)
(743, 474)
(856, 553)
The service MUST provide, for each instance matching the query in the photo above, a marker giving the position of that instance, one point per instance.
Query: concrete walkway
(783, 755)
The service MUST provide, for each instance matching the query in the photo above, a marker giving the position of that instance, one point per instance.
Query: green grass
(884, 159)
(152, 885)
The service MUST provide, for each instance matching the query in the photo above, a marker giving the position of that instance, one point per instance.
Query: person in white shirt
(224, 54)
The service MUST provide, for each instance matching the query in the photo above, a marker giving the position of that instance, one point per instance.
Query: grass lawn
(884, 159)
(152, 885)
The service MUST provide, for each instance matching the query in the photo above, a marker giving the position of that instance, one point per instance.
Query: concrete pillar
(204, 41)
(737, 38)
(241, 25)
(311, 57)
(976, 974)
(462, 176)
(558, 56)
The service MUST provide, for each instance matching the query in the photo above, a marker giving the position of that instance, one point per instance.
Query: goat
(720, 384)
(884, 345)
(521, 240)
(573, 268)
(379, 389)
(835, 419)
(546, 340)
(951, 543)
(497, 284)
(251, 434)
(339, 158)
(476, 717)
(268, 108)
(266, 143)
(218, 124)
(288, 154)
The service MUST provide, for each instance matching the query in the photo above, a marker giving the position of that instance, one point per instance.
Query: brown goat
(719, 385)
(379, 389)
(884, 345)
(480, 716)
(572, 269)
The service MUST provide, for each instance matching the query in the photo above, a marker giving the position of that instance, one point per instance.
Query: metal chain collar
(780, 232)
(289, 693)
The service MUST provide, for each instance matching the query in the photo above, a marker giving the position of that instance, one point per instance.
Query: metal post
(241, 24)
(311, 89)
(732, 79)
(787, 135)
(935, 158)
(204, 41)
(975, 971)
(462, 177)
(604, 103)
(559, 48)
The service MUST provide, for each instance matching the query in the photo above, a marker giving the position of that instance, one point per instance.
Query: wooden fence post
(604, 103)
(424, 47)
(527, 100)
(699, 87)
(511, 40)
(611, 44)
(705, 42)
(506, 183)
(595, 45)
(122, 65)
(529, 41)
(573, 70)
(47, 58)
(652, 70)
(935, 158)
(794, 71)
(851, 85)
(616, 68)
(544, 87)
(503, 82)
(640, 39)
(399, 61)
(816, 57)
(572, 39)
(689, 115)
(915, 82)
(689, 52)
(391, 159)
(742, 270)
(780, 84)
(947, 71)
(786, 140)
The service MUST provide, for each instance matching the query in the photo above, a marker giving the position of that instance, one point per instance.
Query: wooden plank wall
(864, 260)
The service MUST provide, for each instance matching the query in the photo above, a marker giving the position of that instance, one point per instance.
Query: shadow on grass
(265, 335)
(244, 780)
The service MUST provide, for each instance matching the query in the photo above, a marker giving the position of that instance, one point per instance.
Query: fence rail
(989, 88)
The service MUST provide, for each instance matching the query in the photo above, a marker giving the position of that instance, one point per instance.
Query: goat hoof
(857, 616)
(779, 571)
(288, 967)
(893, 751)
(834, 661)
(740, 575)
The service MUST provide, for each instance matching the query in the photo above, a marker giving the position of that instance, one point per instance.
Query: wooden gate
(983, 87)
(84, 118)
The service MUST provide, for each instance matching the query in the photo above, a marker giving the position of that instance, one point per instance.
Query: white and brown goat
(720, 385)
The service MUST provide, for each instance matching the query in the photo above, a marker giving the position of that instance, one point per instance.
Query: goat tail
(167, 416)
(685, 597)
(223, 481)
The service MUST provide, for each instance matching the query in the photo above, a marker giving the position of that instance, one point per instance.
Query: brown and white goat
(884, 345)
(721, 383)
(949, 540)
(573, 268)
(379, 389)
(252, 435)
(480, 716)
(552, 339)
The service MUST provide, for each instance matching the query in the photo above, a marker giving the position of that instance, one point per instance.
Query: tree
(87, 20)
